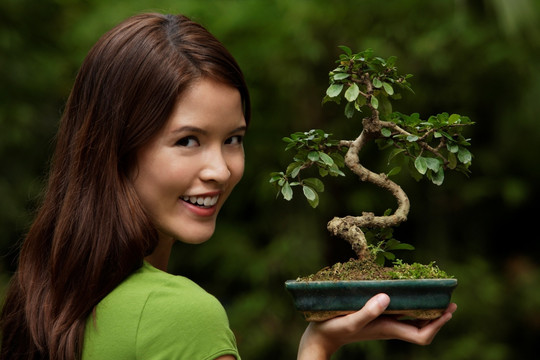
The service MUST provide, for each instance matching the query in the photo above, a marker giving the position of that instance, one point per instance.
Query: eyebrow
(198, 130)
(189, 129)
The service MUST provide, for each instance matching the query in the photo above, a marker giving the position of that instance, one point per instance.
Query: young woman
(148, 150)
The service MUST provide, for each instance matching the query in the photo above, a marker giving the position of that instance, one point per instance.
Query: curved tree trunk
(349, 227)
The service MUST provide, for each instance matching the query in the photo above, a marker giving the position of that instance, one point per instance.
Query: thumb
(373, 308)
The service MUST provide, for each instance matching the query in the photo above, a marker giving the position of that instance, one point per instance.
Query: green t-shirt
(154, 315)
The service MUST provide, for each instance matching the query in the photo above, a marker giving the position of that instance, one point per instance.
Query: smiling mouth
(201, 201)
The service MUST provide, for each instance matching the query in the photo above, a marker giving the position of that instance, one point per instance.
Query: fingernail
(383, 300)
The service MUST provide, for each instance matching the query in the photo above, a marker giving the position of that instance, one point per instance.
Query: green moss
(402, 270)
(355, 269)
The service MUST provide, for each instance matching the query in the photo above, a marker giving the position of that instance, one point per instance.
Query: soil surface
(356, 269)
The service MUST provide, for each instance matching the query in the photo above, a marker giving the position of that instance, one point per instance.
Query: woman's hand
(322, 339)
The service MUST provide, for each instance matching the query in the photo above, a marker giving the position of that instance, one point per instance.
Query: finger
(451, 308)
(421, 323)
(373, 308)
(426, 334)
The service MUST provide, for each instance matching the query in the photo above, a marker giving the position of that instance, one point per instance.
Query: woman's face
(185, 174)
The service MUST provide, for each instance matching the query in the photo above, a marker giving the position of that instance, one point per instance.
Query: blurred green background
(476, 58)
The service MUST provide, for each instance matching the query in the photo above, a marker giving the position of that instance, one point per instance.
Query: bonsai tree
(428, 148)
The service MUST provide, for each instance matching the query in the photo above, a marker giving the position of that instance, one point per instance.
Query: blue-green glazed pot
(420, 299)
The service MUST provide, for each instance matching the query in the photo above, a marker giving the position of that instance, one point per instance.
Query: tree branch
(349, 226)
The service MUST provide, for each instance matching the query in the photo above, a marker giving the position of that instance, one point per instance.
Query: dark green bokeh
(476, 58)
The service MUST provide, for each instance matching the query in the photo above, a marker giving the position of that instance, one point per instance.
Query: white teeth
(210, 201)
(201, 201)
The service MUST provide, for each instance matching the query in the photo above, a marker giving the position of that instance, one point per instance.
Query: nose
(215, 167)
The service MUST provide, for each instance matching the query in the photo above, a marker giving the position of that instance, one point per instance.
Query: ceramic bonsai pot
(422, 299)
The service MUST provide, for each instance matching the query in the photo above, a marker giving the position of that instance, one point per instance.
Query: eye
(188, 141)
(234, 140)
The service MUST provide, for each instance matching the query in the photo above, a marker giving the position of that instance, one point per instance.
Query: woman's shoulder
(177, 308)
(149, 305)
(148, 278)
(172, 293)
(151, 290)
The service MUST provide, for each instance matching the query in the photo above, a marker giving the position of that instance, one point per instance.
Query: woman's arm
(322, 339)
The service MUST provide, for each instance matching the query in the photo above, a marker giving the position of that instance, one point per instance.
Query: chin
(194, 241)
(195, 237)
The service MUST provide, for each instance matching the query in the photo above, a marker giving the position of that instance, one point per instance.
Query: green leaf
(421, 165)
(374, 102)
(293, 169)
(341, 76)
(403, 246)
(325, 158)
(385, 106)
(446, 135)
(290, 145)
(309, 193)
(453, 148)
(334, 171)
(377, 83)
(287, 139)
(334, 90)
(345, 49)
(313, 156)
(412, 138)
(360, 101)
(311, 196)
(276, 176)
(352, 92)
(394, 153)
(433, 164)
(452, 161)
(379, 260)
(454, 118)
(464, 155)
(438, 177)
(315, 184)
(287, 192)
(386, 132)
(394, 171)
(388, 88)
(327, 98)
(349, 109)
(391, 244)
(339, 160)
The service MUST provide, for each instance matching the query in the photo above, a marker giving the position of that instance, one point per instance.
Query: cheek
(155, 183)
(237, 169)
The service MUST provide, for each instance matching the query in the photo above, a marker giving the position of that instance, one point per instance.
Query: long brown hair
(91, 230)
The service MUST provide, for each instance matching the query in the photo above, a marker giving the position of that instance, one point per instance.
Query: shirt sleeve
(184, 324)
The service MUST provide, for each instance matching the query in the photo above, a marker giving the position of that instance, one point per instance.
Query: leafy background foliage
(479, 58)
